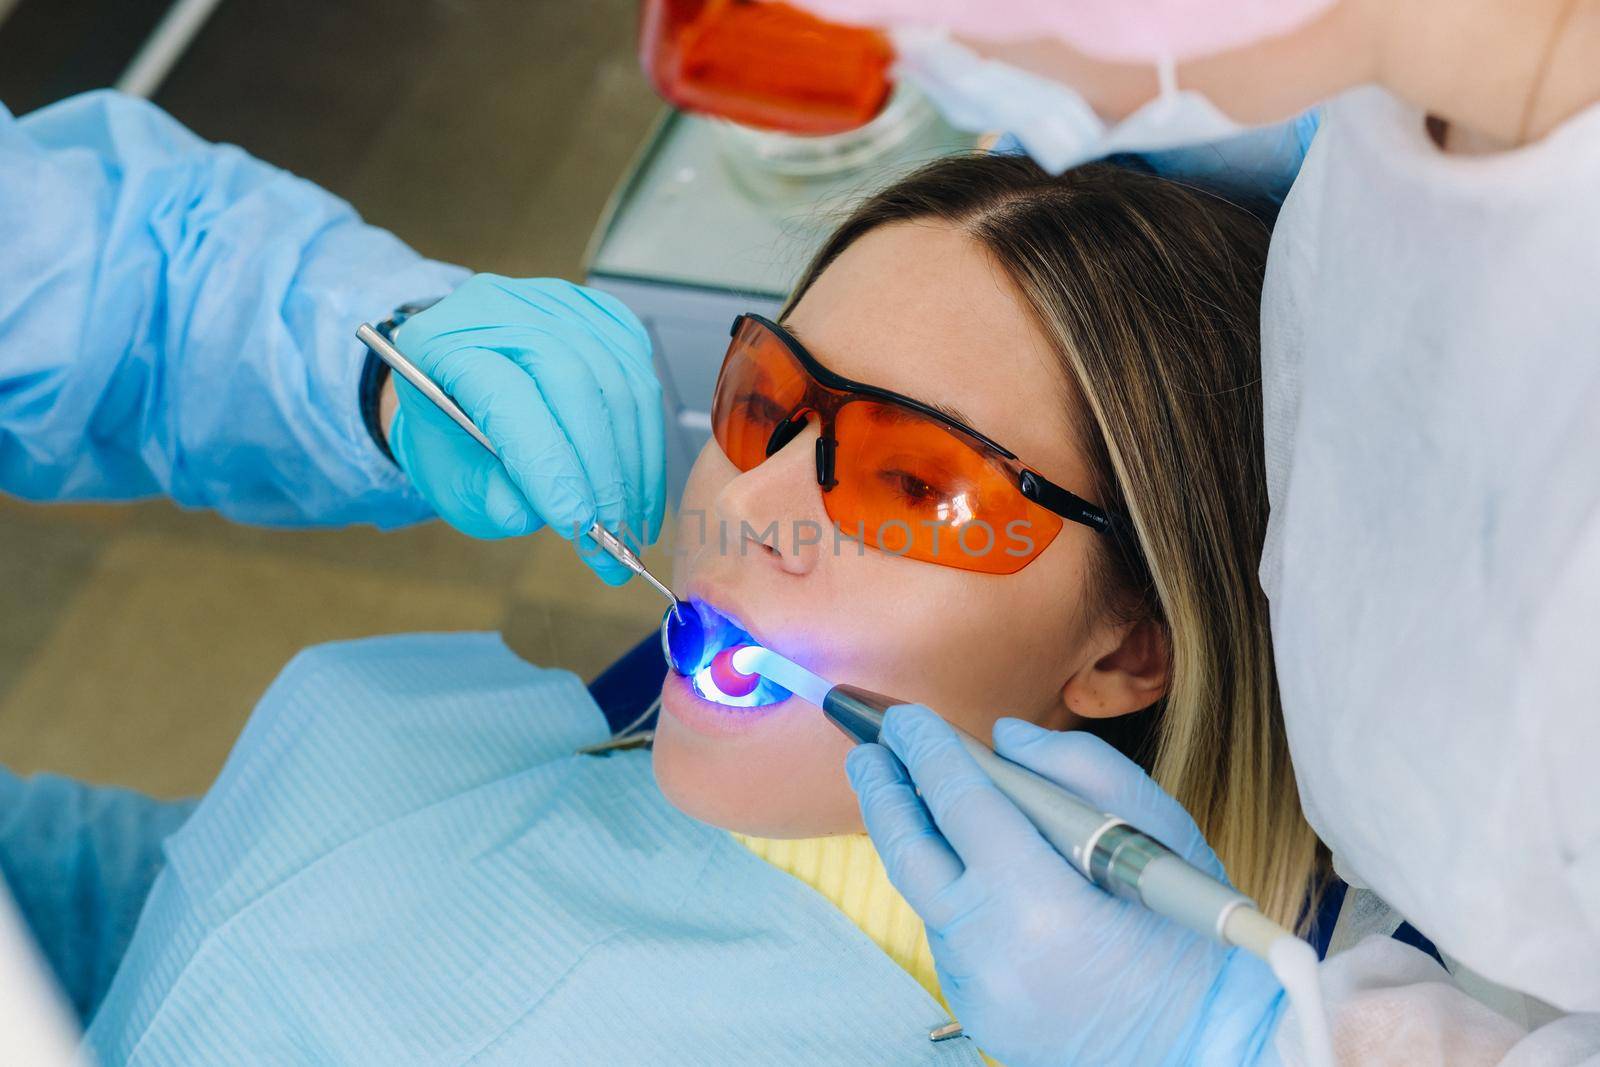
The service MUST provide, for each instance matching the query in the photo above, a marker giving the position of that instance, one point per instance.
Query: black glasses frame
(837, 390)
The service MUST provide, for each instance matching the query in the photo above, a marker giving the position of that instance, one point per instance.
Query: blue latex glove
(1038, 964)
(559, 377)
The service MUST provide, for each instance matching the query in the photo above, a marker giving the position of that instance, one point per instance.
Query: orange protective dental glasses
(895, 473)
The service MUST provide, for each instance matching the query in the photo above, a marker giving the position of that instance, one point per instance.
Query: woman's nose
(774, 509)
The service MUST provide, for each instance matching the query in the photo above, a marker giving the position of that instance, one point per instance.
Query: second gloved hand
(1040, 965)
(560, 378)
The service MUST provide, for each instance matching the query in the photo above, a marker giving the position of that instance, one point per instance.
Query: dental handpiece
(1118, 858)
(609, 542)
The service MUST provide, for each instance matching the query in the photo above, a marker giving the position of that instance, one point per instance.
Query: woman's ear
(1133, 674)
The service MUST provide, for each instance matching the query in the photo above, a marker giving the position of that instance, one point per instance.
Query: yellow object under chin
(846, 870)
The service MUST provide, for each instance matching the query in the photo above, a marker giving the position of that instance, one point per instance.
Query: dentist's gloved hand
(559, 377)
(1039, 965)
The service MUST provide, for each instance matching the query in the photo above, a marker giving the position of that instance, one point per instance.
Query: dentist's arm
(178, 318)
(1042, 968)
(1039, 965)
(1510, 73)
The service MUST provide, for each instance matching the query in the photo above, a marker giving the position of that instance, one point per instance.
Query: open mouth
(699, 643)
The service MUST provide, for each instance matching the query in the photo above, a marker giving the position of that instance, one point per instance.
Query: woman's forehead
(922, 309)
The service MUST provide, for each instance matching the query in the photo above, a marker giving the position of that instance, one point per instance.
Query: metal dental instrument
(1118, 858)
(612, 545)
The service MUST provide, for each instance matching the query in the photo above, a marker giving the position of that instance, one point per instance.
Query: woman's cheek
(984, 649)
(696, 524)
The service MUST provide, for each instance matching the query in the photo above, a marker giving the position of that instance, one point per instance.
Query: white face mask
(1051, 120)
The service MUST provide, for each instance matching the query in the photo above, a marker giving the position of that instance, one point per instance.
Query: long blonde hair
(1150, 294)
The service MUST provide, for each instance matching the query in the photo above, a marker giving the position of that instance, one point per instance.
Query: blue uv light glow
(692, 638)
(683, 638)
(766, 692)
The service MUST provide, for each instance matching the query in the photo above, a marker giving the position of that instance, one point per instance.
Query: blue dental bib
(403, 862)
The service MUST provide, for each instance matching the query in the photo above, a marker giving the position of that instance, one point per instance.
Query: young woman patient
(1044, 498)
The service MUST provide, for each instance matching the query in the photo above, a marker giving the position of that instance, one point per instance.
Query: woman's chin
(780, 777)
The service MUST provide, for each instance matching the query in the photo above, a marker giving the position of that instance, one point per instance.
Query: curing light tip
(730, 679)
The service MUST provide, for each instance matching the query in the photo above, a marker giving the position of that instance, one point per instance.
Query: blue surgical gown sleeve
(80, 861)
(177, 317)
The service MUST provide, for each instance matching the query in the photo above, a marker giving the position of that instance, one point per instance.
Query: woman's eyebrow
(949, 411)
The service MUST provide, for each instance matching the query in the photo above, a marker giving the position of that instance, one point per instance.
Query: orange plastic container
(764, 64)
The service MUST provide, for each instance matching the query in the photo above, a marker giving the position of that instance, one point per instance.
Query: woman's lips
(679, 700)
